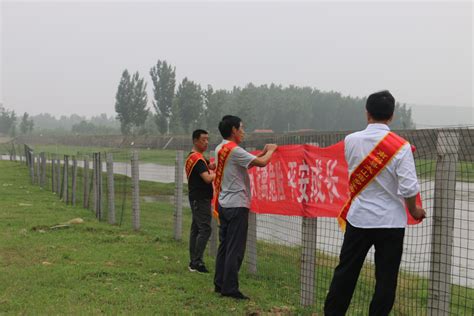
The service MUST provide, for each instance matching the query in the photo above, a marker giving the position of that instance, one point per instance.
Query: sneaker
(201, 268)
(237, 295)
(192, 268)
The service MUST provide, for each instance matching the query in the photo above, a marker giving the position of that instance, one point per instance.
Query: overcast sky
(67, 57)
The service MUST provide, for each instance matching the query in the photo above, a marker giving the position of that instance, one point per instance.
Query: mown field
(97, 268)
(157, 156)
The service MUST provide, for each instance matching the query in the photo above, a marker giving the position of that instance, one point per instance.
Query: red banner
(302, 180)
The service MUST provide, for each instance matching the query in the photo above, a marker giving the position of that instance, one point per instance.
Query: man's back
(381, 203)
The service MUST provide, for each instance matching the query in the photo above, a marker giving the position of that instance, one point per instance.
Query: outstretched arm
(264, 158)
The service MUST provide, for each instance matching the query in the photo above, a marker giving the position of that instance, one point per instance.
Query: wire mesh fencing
(437, 271)
(84, 179)
(291, 256)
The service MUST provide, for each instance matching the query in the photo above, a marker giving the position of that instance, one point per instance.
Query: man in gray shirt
(233, 187)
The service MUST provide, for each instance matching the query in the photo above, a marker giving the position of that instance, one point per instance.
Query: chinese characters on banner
(303, 180)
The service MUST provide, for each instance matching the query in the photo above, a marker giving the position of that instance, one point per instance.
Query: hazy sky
(67, 57)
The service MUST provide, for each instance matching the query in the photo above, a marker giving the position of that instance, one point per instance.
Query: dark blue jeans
(233, 239)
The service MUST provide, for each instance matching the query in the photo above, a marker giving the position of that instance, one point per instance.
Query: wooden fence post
(85, 183)
(111, 188)
(74, 180)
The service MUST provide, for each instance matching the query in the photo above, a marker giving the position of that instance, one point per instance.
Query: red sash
(191, 161)
(369, 168)
(222, 158)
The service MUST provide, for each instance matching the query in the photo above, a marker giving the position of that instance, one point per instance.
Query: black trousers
(200, 229)
(388, 244)
(233, 239)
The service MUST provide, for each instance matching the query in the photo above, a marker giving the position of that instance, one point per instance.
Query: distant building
(263, 131)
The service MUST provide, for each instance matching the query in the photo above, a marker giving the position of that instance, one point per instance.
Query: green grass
(426, 169)
(158, 156)
(96, 268)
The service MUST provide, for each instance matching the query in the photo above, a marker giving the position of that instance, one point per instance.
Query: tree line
(47, 124)
(181, 108)
(189, 106)
(8, 122)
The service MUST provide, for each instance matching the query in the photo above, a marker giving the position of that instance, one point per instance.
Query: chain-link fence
(296, 254)
(437, 269)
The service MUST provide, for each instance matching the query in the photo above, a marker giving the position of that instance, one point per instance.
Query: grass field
(426, 169)
(96, 268)
(158, 156)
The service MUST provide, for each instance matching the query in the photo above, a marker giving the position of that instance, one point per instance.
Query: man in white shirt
(376, 215)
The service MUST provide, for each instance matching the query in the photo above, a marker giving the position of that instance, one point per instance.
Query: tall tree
(216, 104)
(176, 126)
(26, 124)
(123, 101)
(189, 105)
(249, 101)
(7, 121)
(163, 77)
(139, 102)
(402, 117)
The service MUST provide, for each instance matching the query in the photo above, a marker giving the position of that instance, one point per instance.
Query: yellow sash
(222, 158)
(369, 168)
(191, 161)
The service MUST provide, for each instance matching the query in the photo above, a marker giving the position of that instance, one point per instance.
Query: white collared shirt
(381, 204)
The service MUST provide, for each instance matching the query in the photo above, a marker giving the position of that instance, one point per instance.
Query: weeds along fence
(297, 254)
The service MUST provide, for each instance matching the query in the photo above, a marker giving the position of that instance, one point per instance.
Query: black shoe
(192, 268)
(217, 289)
(237, 295)
(201, 268)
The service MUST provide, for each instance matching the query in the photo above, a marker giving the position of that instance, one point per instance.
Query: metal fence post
(135, 191)
(439, 288)
(58, 176)
(27, 158)
(99, 187)
(53, 180)
(38, 169)
(252, 243)
(74, 180)
(31, 160)
(110, 185)
(94, 183)
(43, 170)
(178, 195)
(85, 184)
(308, 261)
(65, 190)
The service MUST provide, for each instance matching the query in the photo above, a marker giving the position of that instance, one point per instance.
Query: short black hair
(197, 133)
(381, 105)
(226, 124)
